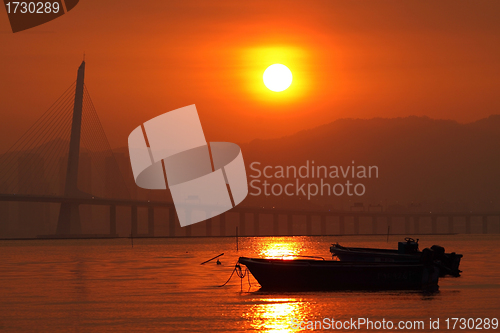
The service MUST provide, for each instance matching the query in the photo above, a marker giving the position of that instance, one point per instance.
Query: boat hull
(300, 274)
(449, 262)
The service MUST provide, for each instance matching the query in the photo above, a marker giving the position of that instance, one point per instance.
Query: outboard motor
(438, 249)
(448, 262)
(431, 271)
(427, 257)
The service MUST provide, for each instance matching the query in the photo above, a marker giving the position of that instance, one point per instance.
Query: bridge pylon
(69, 213)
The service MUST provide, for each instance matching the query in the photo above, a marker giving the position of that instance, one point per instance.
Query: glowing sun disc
(277, 77)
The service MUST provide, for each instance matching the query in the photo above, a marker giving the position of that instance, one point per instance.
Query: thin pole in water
(388, 231)
(237, 239)
(132, 239)
(212, 258)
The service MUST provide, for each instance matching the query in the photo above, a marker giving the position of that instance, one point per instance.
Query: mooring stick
(212, 258)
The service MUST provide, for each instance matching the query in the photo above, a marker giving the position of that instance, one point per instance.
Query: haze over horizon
(418, 159)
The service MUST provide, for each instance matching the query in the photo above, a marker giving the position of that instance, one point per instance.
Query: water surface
(159, 285)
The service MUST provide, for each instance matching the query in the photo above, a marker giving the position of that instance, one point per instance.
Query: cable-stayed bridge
(56, 158)
(63, 170)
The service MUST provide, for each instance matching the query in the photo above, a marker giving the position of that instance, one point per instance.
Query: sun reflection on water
(281, 249)
(276, 314)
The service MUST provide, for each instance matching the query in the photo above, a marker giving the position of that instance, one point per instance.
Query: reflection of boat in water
(310, 274)
(406, 252)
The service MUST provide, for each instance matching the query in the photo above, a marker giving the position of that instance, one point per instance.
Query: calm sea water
(159, 285)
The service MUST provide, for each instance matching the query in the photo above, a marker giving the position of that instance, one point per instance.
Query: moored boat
(309, 274)
(407, 252)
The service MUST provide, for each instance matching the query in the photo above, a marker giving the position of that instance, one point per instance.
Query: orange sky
(359, 59)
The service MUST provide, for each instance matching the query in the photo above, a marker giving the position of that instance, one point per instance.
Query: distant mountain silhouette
(423, 164)
(434, 164)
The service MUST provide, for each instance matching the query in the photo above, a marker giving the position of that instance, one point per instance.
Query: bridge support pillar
(434, 224)
(151, 222)
(356, 225)
(242, 224)
(256, 230)
(374, 224)
(133, 219)
(276, 225)
(308, 224)
(289, 222)
(407, 225)
(342, 224)
(467, 224)
(171, 222)
(416, 224)
(323, 225)
(222, 224)
(4, 218)
(485, 224)
(451, 228)
(208, 227)
(69, 219)
(112, 220)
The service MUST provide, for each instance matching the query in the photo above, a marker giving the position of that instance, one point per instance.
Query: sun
(277, 77)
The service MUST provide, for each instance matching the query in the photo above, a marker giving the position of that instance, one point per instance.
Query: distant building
(33, 217)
